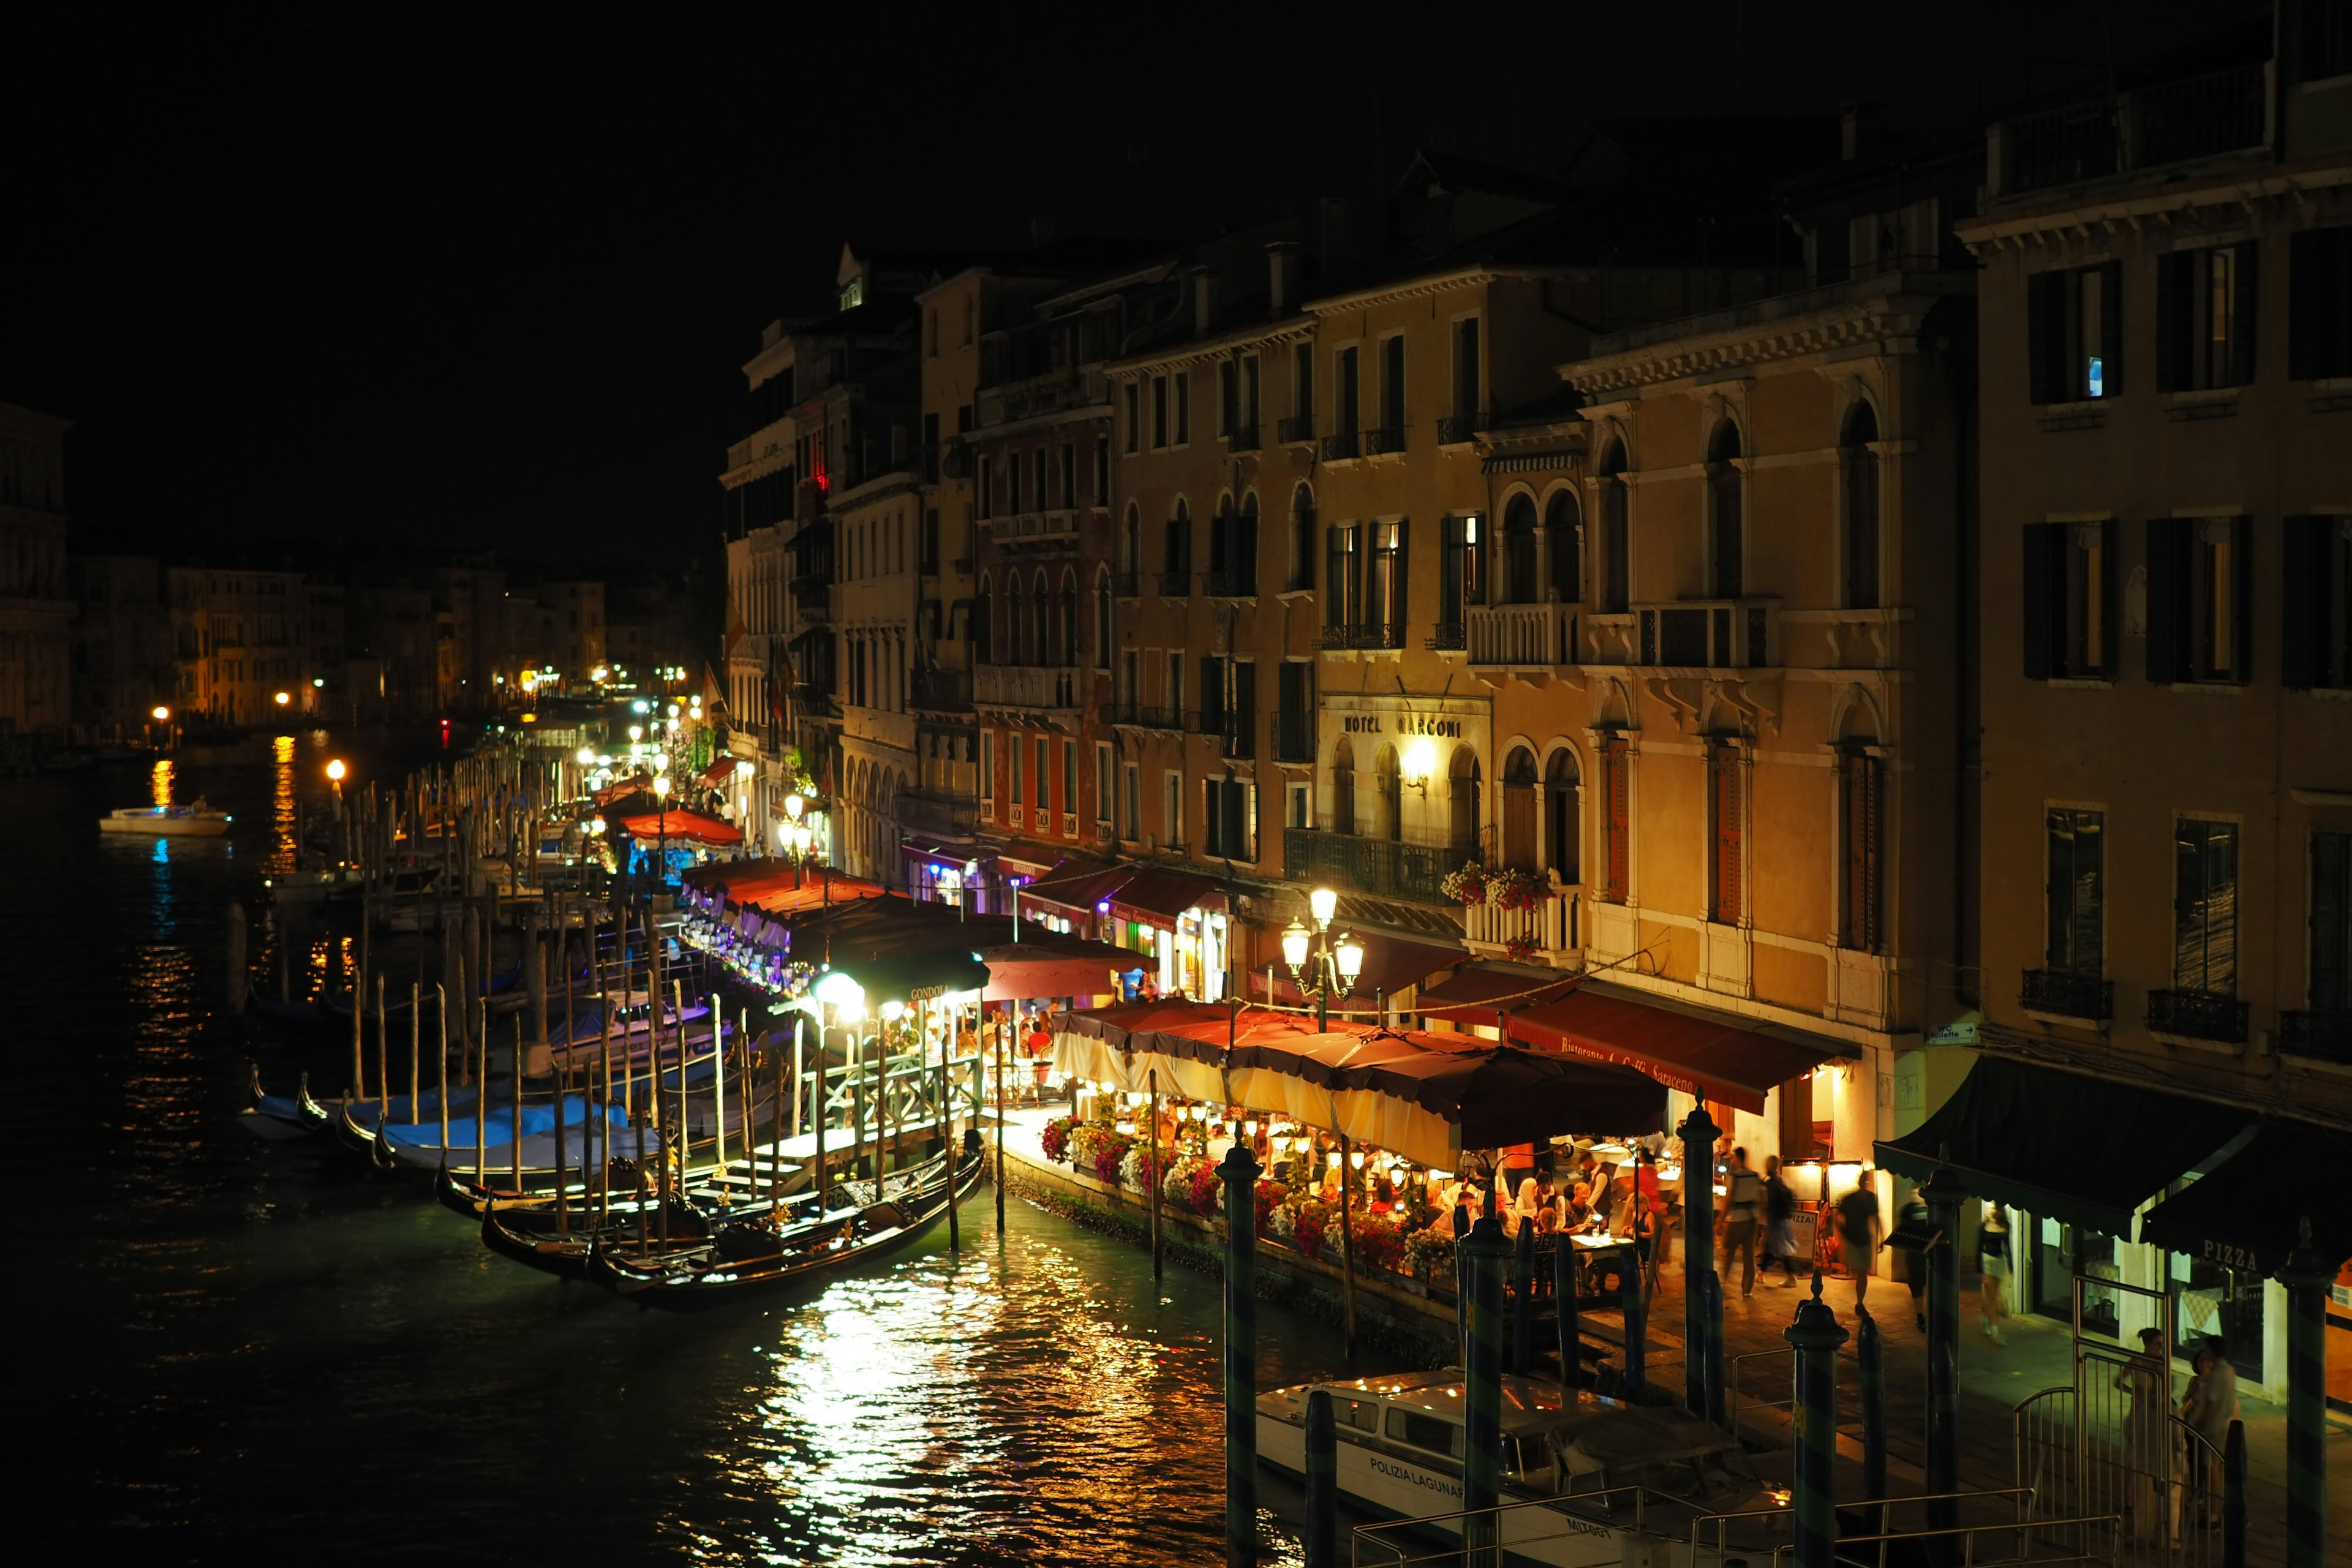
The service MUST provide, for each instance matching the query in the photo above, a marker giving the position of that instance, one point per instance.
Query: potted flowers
(1466, 885)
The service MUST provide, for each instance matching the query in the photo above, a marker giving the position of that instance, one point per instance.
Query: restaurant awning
(722, 769)
(681, 827)
(635, 783)
(1701, 1055)
(1157, 898)
(1047, 964)
(2245, 1214)
(1424, 1096)
(1391, 964)
(1078, 891)
(1473, 994)
(2082, 1150)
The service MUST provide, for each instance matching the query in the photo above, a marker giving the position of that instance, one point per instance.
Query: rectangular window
(988, 774)
(1298, 805)
(1172, 693)
(1043, 775)
(2205, 907)
(1617, 819)
(2070, 582)
(1384, 600)
(1344, 603)
(2205, 318)
(1212, 694)
(1229, 819)
(1249, 410)
(1041, 495)
(1727, 796)
(1132, 816)
(1460, 570)
(2316, 603)
(2077, 892)
(1133, 395)
(1102, 471)
(1172, 809)
(2329, 982)
(1858, 804)
(1465, 368)
(1159, 412)
(1392, 383)
(2319, 300)
(1229, 397)
(1302, 387)
(1183, 394)
(2075, 333)
(1348, 417)
(1130, 684)
(2200, 599)
(1102, 782)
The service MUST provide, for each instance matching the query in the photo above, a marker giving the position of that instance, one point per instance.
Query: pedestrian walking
(1992, 1271)
(1913, 1217)
(1744, 1204)
(1779, 1223)
(1859, 1231)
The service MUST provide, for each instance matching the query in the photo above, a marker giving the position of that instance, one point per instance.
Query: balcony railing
(1453, 429)
(1386, 440)
(2198, 1016)
(1240, 732)
(1175, 585)
(1295, 428)
(1241, 437)
(1040, 686)
(2065, 995)
(1380, 866)
(1722, 634)
(1520, 635)
(945, 691)
(1449, 637)
(1294, 737)
(1233, 582)
(929, 811)
(2324, 1034)
(1339, 446)
(2206, 114)
(2170, 123)
(1150, 716)
(1389, 636)
(1079, 387)
(1127, 584)
(1034, 525)
(1553, 926)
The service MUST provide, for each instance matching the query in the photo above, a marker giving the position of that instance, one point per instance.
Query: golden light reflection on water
(283, 836)
(159, 783)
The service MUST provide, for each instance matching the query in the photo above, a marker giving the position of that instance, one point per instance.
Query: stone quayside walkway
(1993, 1378)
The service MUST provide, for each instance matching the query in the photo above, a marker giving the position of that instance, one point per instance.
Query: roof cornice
(2146, 203)
(1714, 346)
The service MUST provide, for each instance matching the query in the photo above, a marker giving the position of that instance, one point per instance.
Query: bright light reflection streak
(159, 783)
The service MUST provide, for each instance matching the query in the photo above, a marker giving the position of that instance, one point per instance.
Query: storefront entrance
(2213, 1303)
(2061, 1251)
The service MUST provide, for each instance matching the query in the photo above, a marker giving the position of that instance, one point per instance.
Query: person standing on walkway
(1913, 1217)
(2147, 1450)
(1743, 1203)
(1858, 1230)
(2208, 1406)
(1992, 1271)
(1780, 1221)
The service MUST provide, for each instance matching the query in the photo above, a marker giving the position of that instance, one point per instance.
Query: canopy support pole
(1151, 1143)
(1347, 1241)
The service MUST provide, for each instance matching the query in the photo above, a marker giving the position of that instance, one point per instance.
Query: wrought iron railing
(1241, 437)
(1233, 582)
(2068, 995)
(1175, 585)
(1389, 636)
(1448, 637)
(1294, 737)
(2219, 112)
(1150, 716)
(1339, 446)
(1380, 866)
(2321, 1032)
(2198, 1015)
(1452, 429)
(1383, 440)
(1295, 428)
(2170, 123)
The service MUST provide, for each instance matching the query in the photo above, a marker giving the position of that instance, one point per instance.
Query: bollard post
(1637, 1325)
(1240, 1174)
(1571, 1328)
(1482, 1459)
(1698, 1133)
(2306, 1278)
(1710, 1298)
(1523, 1305)
(1870, 1362)
(1322, 1482)
(1816, 1336)
(1944, 1195)
(2234, 1500)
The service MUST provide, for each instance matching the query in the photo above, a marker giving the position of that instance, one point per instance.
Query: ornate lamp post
(1334, 966)
(661, 831)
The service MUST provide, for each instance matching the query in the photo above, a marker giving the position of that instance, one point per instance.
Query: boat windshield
(1417, 1430)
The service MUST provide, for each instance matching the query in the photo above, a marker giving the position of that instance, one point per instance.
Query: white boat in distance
(198, 821)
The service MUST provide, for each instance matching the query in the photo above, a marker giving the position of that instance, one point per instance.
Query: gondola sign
(928, 993)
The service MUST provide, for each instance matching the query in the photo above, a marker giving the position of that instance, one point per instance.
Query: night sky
(313, 284)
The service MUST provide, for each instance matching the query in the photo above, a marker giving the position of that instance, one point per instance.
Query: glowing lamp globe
(1325, 903)
(1294, 946)
(335, 770)
(1350, 956)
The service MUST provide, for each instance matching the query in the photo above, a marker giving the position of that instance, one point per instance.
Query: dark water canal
(227, 1349)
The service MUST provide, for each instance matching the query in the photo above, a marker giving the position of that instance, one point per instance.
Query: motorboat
(1583, 1478)
(198, 821)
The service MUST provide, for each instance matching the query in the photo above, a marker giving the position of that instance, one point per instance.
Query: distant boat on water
(198, 821)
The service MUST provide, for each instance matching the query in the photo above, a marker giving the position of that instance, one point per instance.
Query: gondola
(277, 1117)
(745, 1261)
(530, 1232)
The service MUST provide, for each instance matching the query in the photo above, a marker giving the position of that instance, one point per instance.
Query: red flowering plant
(1467, 884)
(1271, 1194)
(1521, 948)
(1056, 1137)
(1512, 888)
(1110, 1150)
(1379, 1244)
(1307, 1229)
(1207, 1190)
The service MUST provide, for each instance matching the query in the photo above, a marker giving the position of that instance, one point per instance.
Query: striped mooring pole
(1482, 1459)
(1637, 1325)
(1523, 1302)
(2306, 1278)
(1710, 1295)
(1816, 1336)
(1698, 1133)
(1572, 1330)
(1322, 1482)
(1869, 1356)
(1943, 1195)
(1240, 1174)
(2233, 1497)
(1462, 1283)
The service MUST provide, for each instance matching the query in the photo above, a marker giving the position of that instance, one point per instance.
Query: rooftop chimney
(1205, 299)
(1281, 276)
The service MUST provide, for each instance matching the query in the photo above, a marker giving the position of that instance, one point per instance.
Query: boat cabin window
(1363, 1415)
(1432, 1432)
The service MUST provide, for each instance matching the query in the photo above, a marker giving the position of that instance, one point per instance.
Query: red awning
(1699, 1055)
(635, 783)
(680, 826)
(1079, 892)
(816, 889)
(1474, 994)
(1157, 897)
(1048, 963)
(722, 769)
(1391, 964)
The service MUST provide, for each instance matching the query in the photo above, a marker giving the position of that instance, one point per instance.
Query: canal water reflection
(233, 1348)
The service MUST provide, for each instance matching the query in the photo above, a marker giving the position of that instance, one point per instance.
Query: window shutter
(2172, 322)
(2111, 329)
(2110, 590)
(1401, 608)
(1862, 852)
(2241, 561)
(2165, 584)
(2302, 586)
(1727, 889)
(2241, 344)
(2043, 584)
(1620, 766)
(2045, 324)
(1335, 578)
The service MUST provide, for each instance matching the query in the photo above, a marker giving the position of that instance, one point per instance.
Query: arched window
(1343, 788)
(1519, 806)
(1726, 543)
(1102, 619)
(1519, 550)
(1616, 536)
(1068, 617)
(1302, 542)
(1242, 553)
(1464, 800)
(977, 630)
(1130, 542)
(1041, 619)
(1016, 621)
(1564, 530)
(1861, 466)
(1176, 555)
(1388, 804)
(1563, 821)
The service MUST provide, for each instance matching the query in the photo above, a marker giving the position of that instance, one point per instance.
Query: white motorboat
(1581, 1481)
(198, 821)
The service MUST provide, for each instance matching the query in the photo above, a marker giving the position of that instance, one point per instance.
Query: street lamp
(1335, 966)
(162, 715)
(661, 836)
(284, 698)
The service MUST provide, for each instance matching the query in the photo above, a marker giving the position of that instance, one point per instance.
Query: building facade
(35, 608)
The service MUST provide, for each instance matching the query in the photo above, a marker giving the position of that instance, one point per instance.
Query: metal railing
(1295, 428)
(1384, 440)
(1026, 685)
(2055, 991)
(1390, 634)
(1241, 437)
(1233, 582)
(1127, 584)
(1453, 429)
(2199, 1014)
(1176, 584)
(1294, 737)
(1380, 867)
(2221, 111)
(948, 690)
(1446, 637)
(2110, 1486)
(1150, 716)
(2320, 1032)
(1339, 446)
